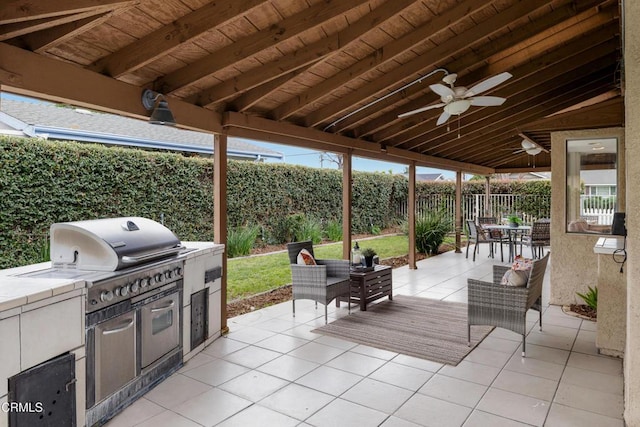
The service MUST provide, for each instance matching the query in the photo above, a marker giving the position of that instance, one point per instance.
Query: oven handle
(120, 329)
(166, 307)
(146, 257)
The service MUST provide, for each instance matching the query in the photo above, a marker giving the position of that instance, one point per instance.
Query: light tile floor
(271, 370)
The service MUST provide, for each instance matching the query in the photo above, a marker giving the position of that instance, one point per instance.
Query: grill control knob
(124, 291)
(144, 282)
(134, 286)
(106, 296)
(159, 277)
(177, 271)
(168, 274)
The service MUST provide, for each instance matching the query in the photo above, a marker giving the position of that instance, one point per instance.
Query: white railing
(473, 206)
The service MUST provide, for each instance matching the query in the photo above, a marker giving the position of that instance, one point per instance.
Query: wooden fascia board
(27, 10)
(238, 124)
(606, 114)
(524, 170)
(21, 72)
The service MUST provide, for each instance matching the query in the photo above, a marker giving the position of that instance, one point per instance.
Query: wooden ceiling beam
(302, 58)
(13, 11)
(603, 115)
(246, 47)
(555, 65)
(18, 29)
(380, 56)
(430, 59)
(42, 40)
(169, 37)
(21, 72)
(232, 122)
(389, 125)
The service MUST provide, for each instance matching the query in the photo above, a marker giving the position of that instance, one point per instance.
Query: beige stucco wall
(574, 265)
(632, 130)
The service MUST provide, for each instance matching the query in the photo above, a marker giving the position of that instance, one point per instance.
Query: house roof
(332, 74)
(429, 177)
(68, 123)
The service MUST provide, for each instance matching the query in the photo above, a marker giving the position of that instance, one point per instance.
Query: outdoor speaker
(618, 227)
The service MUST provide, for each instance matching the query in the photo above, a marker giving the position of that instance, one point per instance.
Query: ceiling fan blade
(443, 118)
(420, 110)
(442, 90)
(487, 101)
(487, 84)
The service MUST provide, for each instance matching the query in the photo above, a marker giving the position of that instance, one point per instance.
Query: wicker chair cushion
(305, 258)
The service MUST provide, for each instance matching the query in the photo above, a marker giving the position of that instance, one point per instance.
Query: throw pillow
(305, 258)
(518, 275)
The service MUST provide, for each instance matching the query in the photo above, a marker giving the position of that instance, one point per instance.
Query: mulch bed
(278, 295)
(582, 311)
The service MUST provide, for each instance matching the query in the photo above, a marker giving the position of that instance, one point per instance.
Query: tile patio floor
(271, 370)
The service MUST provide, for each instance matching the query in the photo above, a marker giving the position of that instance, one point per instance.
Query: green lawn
(251, 275)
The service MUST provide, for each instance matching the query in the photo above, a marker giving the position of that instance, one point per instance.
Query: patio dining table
(512, 233)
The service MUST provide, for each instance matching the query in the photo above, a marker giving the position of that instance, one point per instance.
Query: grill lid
(111, 244)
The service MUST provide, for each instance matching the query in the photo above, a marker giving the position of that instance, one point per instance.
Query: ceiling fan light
(528, 145)
(458, 107)
(534, 151)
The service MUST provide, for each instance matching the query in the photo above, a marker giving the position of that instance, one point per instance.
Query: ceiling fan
(529, 148)
(457, 100)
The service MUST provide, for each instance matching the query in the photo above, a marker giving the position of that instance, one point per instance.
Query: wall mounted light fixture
(161, 114)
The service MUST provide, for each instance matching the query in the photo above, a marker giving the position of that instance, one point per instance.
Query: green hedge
(42, 182)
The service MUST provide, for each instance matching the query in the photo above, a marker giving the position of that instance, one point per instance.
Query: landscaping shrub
(310, 229)
(333, 231)
(431, 229)
(240, 240)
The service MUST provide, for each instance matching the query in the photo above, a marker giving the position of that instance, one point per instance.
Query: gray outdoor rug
(426, 328)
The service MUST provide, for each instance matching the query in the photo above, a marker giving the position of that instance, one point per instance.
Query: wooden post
(487, 196)
(347, 190)
(220, 215)
(411, 208)
(458, 211)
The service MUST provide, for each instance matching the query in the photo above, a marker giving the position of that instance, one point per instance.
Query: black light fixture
(161, 114)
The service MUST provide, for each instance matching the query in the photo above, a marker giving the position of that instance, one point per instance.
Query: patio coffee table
(369, 286)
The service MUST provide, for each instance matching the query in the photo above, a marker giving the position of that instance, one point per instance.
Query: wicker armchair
(322, 283)
(476, 235)
(539, 238)
(506, 306)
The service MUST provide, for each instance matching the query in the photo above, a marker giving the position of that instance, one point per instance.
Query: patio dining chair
(323, 282)
(505, 306)
(476, 235)
(495, 234)
(539, 238)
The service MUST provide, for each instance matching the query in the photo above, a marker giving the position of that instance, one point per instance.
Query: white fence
(473, 206)
(598, 210)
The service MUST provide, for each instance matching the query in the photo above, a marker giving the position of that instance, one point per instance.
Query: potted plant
(514, 221)
(368, 254)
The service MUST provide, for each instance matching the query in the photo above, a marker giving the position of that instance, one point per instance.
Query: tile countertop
(19, 291)
(608, 245)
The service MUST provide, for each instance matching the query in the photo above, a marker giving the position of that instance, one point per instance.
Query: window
(591, 184)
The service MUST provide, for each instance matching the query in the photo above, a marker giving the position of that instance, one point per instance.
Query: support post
(487, 196)
(347, 190)
(458, 220)
(220, 215)
(411, 208)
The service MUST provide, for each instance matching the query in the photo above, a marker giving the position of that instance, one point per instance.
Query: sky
(312, 158)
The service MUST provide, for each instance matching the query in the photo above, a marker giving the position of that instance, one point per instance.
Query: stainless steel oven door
(160, 327)
(115, 354)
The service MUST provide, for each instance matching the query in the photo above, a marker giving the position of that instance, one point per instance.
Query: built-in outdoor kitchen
(122, 304)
